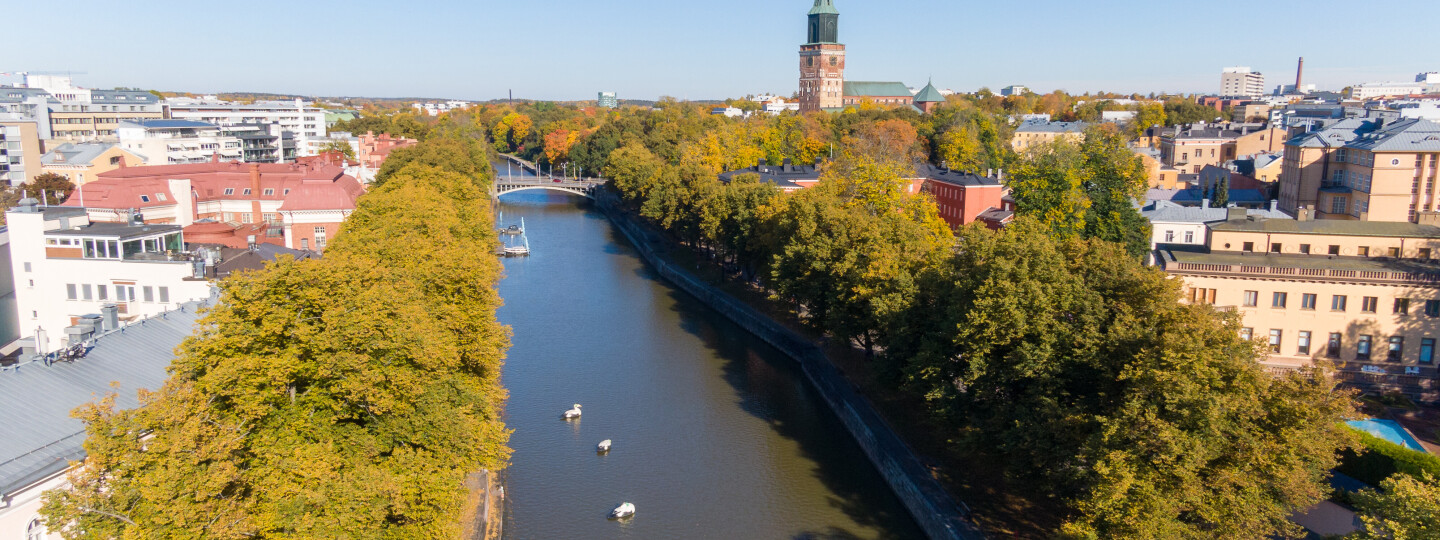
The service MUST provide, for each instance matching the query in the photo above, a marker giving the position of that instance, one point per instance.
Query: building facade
(962, 197)
(83, 163)
(297, 206)
(176, 142)
(1241, 82)
(822, 60)
(19, 152)
(1363, 295)
(607, 100)
(1364, 169)
(67, 267)
(1038, 133)
(305, 122)
(1385, 89)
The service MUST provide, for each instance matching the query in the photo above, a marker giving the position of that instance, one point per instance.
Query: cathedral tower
(822, 60)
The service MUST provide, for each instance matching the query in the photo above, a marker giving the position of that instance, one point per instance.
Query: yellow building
(1364, 169)
(93, 115)
(1037, 133)
(1363, 295)
(1190, 149)
(81, 163)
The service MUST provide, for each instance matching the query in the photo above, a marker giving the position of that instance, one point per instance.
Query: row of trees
(1049, 343)
(339, 398)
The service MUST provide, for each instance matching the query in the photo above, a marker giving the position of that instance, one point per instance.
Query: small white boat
(623, 511)
(603, 447)
(572, 413)
(518, 250)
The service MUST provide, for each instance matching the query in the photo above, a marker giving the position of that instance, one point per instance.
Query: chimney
(787, 166)
(1205, 203)
(110, 317)
(1235, 213)
(1274, 205)
(1300, 75)
(255, 192)
(760, 167)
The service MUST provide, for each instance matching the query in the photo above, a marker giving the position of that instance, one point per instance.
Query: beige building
(1364, 295)
(1192, 148)
(82, 163)
(1038, 133)
(19, 152)
(1365, 169)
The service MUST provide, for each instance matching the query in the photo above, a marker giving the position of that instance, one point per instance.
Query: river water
(716, 435)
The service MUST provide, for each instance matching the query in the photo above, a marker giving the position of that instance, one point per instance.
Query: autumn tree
(340, 147)
(56, 189)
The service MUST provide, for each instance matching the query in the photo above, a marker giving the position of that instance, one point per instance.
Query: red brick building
(964, 197)
(374, 149)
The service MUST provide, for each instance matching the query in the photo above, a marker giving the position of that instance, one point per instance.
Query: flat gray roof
(118, 230)
(1336, 227)
(38, 437)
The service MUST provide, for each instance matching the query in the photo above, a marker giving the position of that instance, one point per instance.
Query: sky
(644, 49)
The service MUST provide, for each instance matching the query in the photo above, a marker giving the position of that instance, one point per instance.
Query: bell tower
(822, 60)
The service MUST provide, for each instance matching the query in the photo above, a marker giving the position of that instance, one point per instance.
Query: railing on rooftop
(1322, 273)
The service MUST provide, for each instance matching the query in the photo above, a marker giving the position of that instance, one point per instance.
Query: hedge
(1376, 459)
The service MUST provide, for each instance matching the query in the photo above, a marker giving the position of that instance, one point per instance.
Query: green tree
(1221, 196)
(1405, 508)
(1146, 116)
(1049, 185)
(342, 147)
(1115, 181)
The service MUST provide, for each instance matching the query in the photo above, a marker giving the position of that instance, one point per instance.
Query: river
(716, 434)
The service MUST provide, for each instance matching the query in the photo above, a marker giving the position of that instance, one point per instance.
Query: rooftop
(1302, 266)
(929, 95)
(1169, 212)
(121, 231)
(168, 124)
(39, 438)
(77, 154)
(954, 177)
(1332, 227)
(876, 89)
(1052, 127)
(784, 176)
(824, 7)
(1375, 135)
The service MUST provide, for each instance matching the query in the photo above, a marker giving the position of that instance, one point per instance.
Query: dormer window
(247, 191)
(269, 191)
(160, 197)
(287, 191)
(144, 198)
(229, 191)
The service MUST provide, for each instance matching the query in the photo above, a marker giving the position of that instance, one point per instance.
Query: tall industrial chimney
(1300, 75)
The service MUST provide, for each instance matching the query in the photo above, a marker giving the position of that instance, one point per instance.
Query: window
(144, 198)
(1189, 237)
(1275, 248)
(1334, 250)
(1252, 298)
(149, 293)
(1402, 306)
(286, 192)
(1307, 302)
(85, 292)
(1247, 334)
(1424, 253)
(1393, 253)
(1304, 249)
(164, 294)
(102, 292)
(320, 237)
(245, 217)
(1302, 343)
(1279, 300)
(1427, 351)
(1363, 251)
(1275, 341)
(70, 291)
(304, 243)
(246, 192)
(1397, 349)
(1362, 349)
(269, 191)
(1249, 247)
(1432, 308)
(1369, 304)
(120, 293)
(1332, 349)
(160, 196)
(1338, 204)
(229, 191)
(35, 531)
(115, 160)
(1337, 303)
(1169, 236)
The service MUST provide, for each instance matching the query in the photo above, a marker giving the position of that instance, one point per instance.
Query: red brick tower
(822, 61)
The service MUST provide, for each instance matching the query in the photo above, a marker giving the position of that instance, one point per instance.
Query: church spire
(824, 6)
(824, 22)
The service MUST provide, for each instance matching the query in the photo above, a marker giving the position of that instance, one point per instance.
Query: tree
(1146, 116)
(1221, 195)
(1116, 180)
(338, 146)
(56, 188)
(1049, 184)
(1405, 508)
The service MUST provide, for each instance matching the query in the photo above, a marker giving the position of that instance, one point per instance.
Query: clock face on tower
(834, 61)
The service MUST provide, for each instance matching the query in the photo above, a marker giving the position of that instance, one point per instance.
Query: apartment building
(19, 152)
(1192, 148)
(297, 206)
(1038, 133)
(1364, 169)
(1241, 82)
(97, 118)
(304, 121)
(1363, 294)
(174, 142)
(1385, 89)
(66, 267)
(962, 197)
(1174, 225)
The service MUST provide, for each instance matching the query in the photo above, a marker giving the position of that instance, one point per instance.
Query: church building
(822, 73)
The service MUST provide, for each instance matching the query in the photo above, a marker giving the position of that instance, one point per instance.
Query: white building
(777, 105)
(305, 121)
(1176, 225)
(1428, 109)
(66, 267)
(1241, 82)
(1117, 117)
(434, 109)
(42, 438)
(175, 142)
(1431, 78)
(1015, 90)
(1385, 89)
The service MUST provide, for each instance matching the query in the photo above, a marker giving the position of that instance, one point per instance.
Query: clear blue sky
(570, 49)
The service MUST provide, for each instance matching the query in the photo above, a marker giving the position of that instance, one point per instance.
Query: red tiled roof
(301, 187)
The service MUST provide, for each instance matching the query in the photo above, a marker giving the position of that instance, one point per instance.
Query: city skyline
(644, 49)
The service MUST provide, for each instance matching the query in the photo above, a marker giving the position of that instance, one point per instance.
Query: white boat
(572, 413)
(518, 250)
(623, 511)
(603, 447)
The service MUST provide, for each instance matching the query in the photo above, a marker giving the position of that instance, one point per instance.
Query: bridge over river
(529, 177)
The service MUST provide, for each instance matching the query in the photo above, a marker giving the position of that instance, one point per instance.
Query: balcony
(1301, 267)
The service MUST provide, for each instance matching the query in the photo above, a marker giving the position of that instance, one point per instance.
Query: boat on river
(623, 511)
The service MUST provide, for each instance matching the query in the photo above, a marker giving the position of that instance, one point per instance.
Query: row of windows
(1340, 302)
(248, 191)
(1364, 346)
(1189, 237)
(1361, 251)
(123, 293)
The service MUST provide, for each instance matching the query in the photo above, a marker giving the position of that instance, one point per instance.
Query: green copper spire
(929, 95)
(825, 7)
